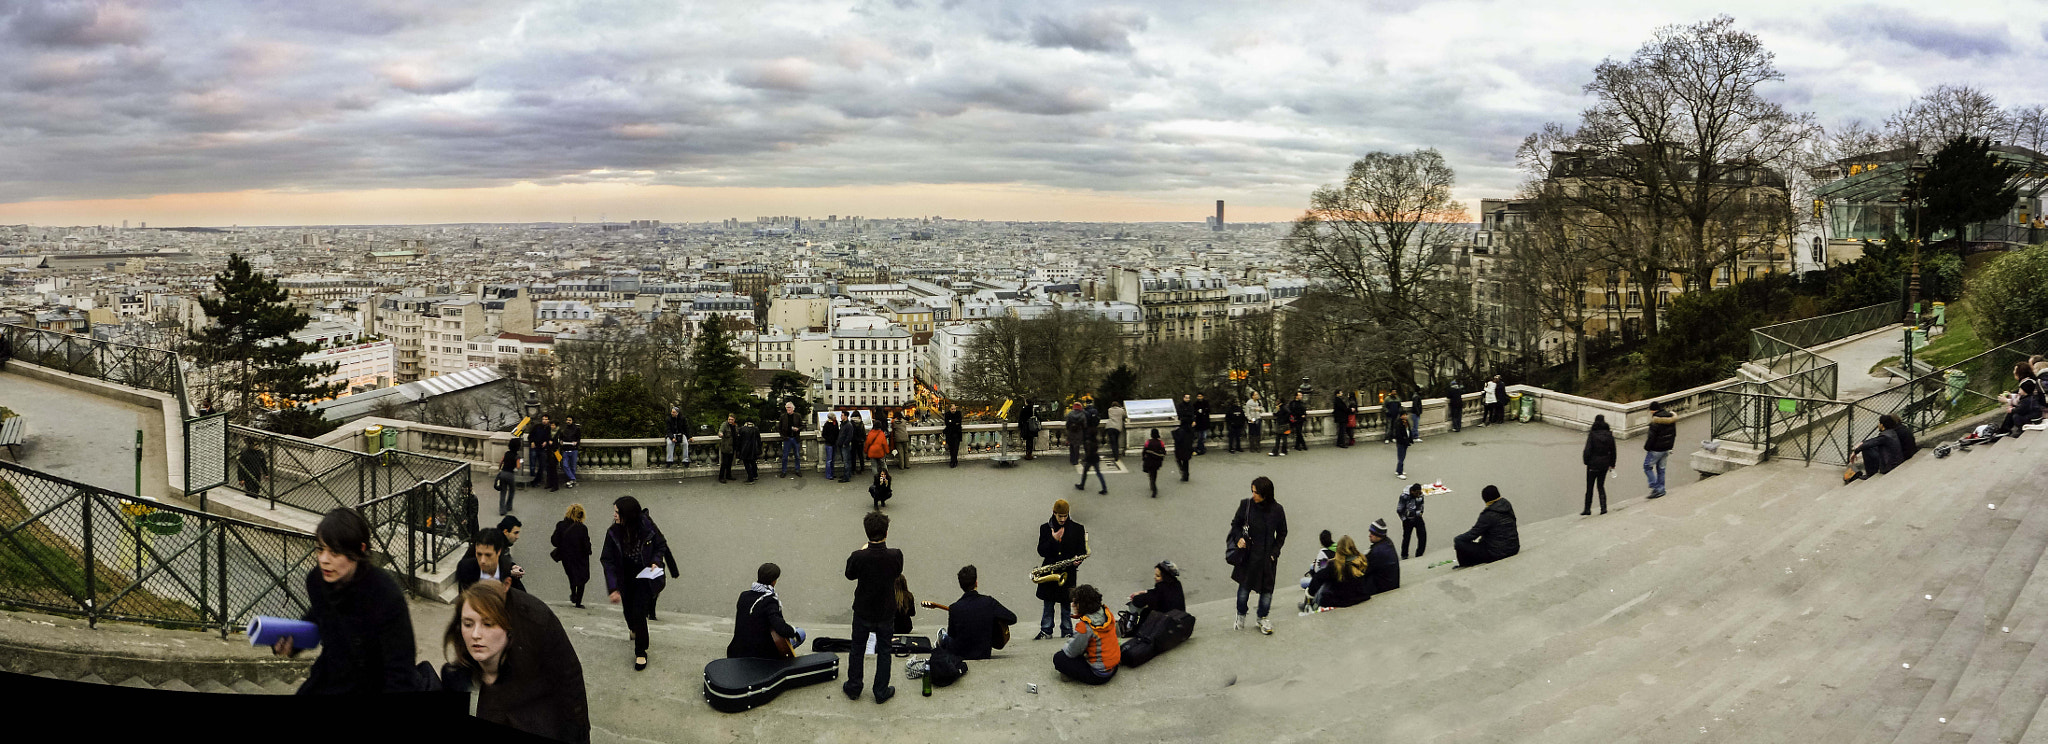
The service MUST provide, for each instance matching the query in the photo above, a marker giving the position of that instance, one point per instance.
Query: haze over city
(375, 112)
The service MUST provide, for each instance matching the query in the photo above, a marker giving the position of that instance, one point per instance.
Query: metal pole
(91, 583)
(138, 463)
(221, 565)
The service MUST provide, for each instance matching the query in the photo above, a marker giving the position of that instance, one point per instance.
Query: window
(1752, 273)
(1820, 252)
(1635, 298)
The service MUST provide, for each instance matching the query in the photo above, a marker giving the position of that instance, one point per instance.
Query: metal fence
(73, 549)
(132, 366)
(1802, 390)
(1772, 341)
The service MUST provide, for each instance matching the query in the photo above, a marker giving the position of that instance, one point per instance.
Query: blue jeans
(1244, 594)
(831, 458)
(792, 452)
(1653, 468)
(1066, 623)
(569, 464)
(1097, 467)
(1400, 456)
(685, 442)
(533, 464)
(1415, 426)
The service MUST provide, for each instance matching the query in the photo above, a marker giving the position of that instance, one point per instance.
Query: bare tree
(1552, 265)
(1943, 114)
(2027, 126)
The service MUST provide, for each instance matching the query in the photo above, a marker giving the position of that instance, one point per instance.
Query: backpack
(945, 667)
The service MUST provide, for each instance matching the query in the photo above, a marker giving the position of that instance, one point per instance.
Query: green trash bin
(390, 438)
(1958, 380)
(162, 523)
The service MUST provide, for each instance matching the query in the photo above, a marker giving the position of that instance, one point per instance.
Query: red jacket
(878, 443)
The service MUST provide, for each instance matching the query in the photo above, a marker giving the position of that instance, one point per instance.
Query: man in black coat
(972, 619)
(851, 435)
(953, 433)
(1455, 405)
(1390, 412)
(489, 557)
(728, 442)
(748, 448)
(1077, 424)
(538, 438)
(1297, 417)
(1382, 564)
(1059, 539)
(1233, 422)
(1340, 411)
(1201, 424)
(1493, 536)
(1183, 449)
(678, 429)
(874, 567)
(759, 613)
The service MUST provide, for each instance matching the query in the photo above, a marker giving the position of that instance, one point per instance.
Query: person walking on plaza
(878, 445)
(728, 438)
(1092, 654)
(1254, 418)
(791, 427)
(1493, 536)
(1340, 411)
(954, 432)
(1183, 449)
(1153, 457)
(1091, 459)
(1409, 508)
(852, 441)
(1657, 447)
(1599, 458)
(1402, 439)
(1077, 421)
(571, 543)
(1233, 427)
(366, 641)
(873, 568)
(568, 440)
(1454, 406)
(1113, 425)
(748, 446)
(632, 546)
(528, 676)
(900, 435)
(507, 481)
(1390, 412)
(828, 437)
(1488, 390)
(1059, 539)
(1259, 530)
(1202, 424)
(678, 436)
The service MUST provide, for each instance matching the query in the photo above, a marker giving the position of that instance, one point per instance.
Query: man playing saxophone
(1062, 545)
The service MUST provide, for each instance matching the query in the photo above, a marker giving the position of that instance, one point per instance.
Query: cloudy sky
(401, 111)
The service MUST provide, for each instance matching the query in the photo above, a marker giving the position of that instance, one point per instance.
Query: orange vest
(1105, 649)
(878, 444)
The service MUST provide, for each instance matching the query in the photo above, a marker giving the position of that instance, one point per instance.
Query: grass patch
(1959, 341)
(41, 569)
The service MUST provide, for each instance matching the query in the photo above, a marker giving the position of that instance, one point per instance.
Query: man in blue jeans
(828, 436)
(1657, 448)
(792, 431)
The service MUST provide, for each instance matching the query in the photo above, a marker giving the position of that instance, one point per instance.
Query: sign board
(867, 417)
(1151, 411)
(206, 453)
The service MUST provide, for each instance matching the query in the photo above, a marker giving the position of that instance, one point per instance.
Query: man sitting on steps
(1493, 536)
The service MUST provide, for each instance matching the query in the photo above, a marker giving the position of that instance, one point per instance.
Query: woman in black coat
(1155, 458)
(1166, 594)
(1599, 459)
(881, 491)
(572, 549)
(1259, 529)
(527, 673)
(629, 548)
(365, 628)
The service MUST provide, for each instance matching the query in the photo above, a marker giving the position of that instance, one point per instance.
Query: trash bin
(1941, 313)
(162, 523)
(1957, 381)
(390, 438)
(1528, 408)
(373, 438)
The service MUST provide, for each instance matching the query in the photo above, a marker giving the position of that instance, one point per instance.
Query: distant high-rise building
(1218, 226)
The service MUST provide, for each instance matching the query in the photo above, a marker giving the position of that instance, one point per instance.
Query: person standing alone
(748, 444)
(1599, 458)
(792, 430)
(874, 569)
(1059, 539)
(1258, 530)
(953, 434)
(1409, 508)
(1657, 447)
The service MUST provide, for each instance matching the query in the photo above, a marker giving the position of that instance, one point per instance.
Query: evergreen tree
(246, 354)
(720, 385)
(622, 409)
(1119, 387)
(1964, 184)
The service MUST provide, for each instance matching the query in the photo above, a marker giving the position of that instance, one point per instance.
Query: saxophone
(1056, 573)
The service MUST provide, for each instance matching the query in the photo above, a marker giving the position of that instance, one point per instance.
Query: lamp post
(532, 405)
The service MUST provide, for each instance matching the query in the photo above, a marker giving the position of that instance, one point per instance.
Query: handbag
(1232, 554)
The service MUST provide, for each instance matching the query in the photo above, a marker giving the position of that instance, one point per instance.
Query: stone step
(2013, 710)
(2037, 730)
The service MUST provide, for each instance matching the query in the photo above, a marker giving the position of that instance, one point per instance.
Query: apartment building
(871, 366)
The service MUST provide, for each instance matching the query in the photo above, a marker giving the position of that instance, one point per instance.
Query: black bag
(734, 685)
(1168, 630)
(1137, 651)
(945, 667)
(1232, 554)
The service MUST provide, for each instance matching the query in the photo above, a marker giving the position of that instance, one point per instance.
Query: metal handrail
(124, 364)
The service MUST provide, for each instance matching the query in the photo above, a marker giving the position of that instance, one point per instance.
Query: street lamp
(532, 404)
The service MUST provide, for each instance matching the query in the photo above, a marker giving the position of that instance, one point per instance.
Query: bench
(11, 433)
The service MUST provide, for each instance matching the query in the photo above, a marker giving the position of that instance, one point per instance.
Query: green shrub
(2009, 296)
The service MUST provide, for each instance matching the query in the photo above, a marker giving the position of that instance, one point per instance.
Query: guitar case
(1160, 633)
(734, 685)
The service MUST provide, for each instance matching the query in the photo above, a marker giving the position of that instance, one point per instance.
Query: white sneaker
(1238, 624)
(1401, 476)
(1265, 626)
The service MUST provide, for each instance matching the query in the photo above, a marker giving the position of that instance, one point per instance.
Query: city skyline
(220, 113)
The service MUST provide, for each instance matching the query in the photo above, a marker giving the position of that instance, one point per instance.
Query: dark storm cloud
(106, 99)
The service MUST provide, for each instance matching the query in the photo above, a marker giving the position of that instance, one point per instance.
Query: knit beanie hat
(1378, 527)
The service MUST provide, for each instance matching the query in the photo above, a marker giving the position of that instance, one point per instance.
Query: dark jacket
(1154, 455)
(754, 616)
(1390, 411)
(953, 426)
(1663, 432)
(874, 568)
(1091, 447)
(747, 443)
(1880, 452)
(1496, 524)
(1264, 529)
(1077, 421)
(570, 437)
(541, 435)
(1456, 400)
(1202, 412)
(1340, 408)
(1072, 543)
(1342, 592)
(1297, 414)
(572, 547)
(1402, 434)
(792, 426)
(540, 681)
(1184, 443)
(623, 561)
(1907, 445)
(467, 572)
(904, 615)
(852, 432)
(1408, 506)
(1382, 568)
(678, 426)
(508, 461)
(971, 625)
(880, 491)
(1599, 452)
(829, 435)
(366, 643)
(1184, 410)
(1233, 416)
(1164, 596)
